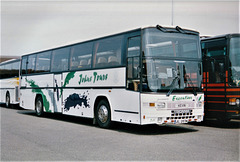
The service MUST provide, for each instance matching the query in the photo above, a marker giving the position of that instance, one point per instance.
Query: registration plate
(180, 121)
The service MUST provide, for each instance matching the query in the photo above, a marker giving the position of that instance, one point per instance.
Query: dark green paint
(69, 76)
(36, 89)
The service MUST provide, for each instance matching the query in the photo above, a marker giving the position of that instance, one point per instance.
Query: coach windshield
(171, 61)
(234, 57)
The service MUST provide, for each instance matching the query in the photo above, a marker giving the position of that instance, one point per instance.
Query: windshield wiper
(177, 30)
(176, 79)
(189, 80)
(192, 85)
(184, 31)
(180, 30)
(161, 28)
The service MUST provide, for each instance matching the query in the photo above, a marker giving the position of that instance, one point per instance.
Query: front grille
(181, 115)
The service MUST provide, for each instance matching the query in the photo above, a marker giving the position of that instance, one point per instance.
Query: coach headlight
(161, 105)
(238, 101)
(157, 104)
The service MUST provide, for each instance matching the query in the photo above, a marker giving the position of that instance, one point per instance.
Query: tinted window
(31, 64)
(216, 70)
(9, 70)
(60, 59)
(5, 71)
(2, 72)
(133, 56)
(134, 46)
(133, 63)
(15, 69)
(157, 44)
(107, 52)
(234, 58)
(43, 62)
(24, 65)
(214, 48)
(81, 56)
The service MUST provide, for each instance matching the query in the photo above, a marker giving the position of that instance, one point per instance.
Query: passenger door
(60, 64)
(133, 63)
(214, 63)
(57, 92)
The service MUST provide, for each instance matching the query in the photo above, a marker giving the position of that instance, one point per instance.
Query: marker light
(152, 104)
(232, 101)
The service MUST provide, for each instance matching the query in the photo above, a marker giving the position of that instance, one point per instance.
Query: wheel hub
(7, 101)
(103, 114)
(38, 107)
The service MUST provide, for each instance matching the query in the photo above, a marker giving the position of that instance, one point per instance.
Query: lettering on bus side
(95, 77)
(175, 98)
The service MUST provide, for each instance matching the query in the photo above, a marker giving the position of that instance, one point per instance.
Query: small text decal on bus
(92, 78)
(175, 98)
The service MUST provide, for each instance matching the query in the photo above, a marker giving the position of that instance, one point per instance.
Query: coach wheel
(103, 114)
(8, 100)
(39, 106)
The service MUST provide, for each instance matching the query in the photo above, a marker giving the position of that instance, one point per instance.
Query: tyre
(7, 100)
(39, 106)
(103, 114)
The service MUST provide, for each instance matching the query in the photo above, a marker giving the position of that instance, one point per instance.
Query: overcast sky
(30, 26)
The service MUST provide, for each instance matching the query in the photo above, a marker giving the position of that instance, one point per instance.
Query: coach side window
(108, 52)
(43, 62)
(15, 69)
(31, 64)
(24, 65)
(81, 56)
(214, 53)
(8, 68)
(5, 71)
(2, 72)
(60, 58)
